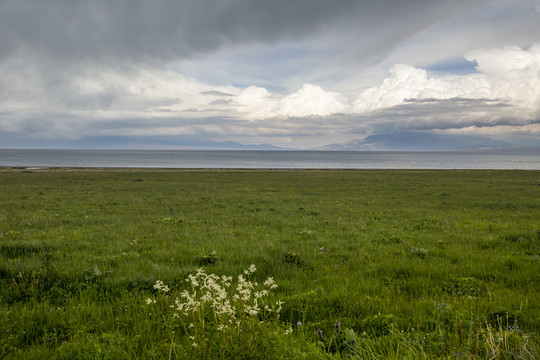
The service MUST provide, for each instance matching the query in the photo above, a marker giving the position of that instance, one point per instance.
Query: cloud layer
(302, 73)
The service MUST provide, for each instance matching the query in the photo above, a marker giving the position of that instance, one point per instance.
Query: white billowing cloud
(407, 82)
(504, 60)
(312, 100)
(256, 103)
(512, 73)
(508, 74)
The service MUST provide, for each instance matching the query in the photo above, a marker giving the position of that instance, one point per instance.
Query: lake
(518, 158)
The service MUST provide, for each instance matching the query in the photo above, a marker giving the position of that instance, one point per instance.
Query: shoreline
(24, 169)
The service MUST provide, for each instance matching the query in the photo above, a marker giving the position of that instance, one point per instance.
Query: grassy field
(369, 264)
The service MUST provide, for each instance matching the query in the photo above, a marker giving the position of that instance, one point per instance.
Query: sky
(292, 73)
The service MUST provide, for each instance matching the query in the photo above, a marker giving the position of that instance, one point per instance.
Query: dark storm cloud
(413, 115)
(142, 30)
(437, 114)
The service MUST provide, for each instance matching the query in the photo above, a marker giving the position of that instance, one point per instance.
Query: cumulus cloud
(312, 100)
(512, 73)
(407, 82)
(509, 74)
(256, 103)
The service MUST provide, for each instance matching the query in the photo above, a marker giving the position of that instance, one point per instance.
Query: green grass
(412, 264)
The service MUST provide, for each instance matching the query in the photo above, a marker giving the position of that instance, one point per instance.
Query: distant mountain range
(402, 141)
(417, 141)
(147, 143)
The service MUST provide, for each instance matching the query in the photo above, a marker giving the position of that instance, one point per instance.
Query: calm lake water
(522, 158)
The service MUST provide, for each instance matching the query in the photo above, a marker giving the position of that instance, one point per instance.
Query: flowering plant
(214, 310)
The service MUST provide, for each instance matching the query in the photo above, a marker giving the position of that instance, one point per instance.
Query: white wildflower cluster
(215, 299)
(161, 287)
(218, 294)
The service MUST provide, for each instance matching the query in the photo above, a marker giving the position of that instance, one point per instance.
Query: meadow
(275, 264)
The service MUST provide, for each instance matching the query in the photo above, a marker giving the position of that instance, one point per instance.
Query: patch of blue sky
(259, 65)
(455, 66)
